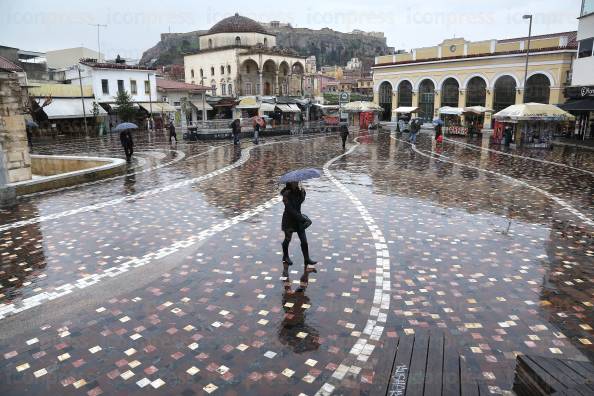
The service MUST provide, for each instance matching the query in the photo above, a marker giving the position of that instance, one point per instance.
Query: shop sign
(586, 92)
(456, 130)
(580, 92)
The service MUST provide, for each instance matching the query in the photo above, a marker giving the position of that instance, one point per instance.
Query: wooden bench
(537, 375)
(430, 364)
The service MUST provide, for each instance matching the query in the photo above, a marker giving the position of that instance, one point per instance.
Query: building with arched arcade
(239, 57)
(459, 73)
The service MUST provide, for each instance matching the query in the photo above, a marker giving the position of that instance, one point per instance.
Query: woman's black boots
(306, 259)
(286, 259)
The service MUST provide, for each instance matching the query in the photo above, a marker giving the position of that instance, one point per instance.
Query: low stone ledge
(87, 169)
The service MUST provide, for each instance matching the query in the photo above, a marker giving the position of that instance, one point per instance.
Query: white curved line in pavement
(378, 314)
(585, 219)
(475, 147)
(245, 155)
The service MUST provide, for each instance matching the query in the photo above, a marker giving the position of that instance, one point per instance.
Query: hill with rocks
(330, 47)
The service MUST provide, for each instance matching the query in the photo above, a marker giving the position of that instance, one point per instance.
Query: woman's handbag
(306, 221)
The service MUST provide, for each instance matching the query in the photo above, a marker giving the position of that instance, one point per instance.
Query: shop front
(532, 124)
(581, 104)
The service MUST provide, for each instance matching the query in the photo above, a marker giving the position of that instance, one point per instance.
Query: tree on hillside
(125, 110)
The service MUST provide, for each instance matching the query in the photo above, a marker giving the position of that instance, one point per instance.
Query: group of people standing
(259, 123)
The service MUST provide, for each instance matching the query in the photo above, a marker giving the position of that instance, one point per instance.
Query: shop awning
(199, 106)
(477, 110)
(406, 110)
(158, 107)
(267, 107)
(451, 110)
(586, 104)
(533, 112)
(248, 103)
(288, 108)
(71, 108)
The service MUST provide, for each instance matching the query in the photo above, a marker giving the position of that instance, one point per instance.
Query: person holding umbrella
(126, 137)
(293, 220)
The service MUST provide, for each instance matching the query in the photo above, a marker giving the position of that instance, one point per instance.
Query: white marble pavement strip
(378, 313)
(245, 155)
(180, 156)
(585, 219)
(475, 147)
(89, 280)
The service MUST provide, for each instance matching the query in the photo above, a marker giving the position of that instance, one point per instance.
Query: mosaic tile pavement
(178, 288)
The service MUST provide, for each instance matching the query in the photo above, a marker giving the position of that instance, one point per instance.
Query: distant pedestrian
(415, 127)
(438, 133)
(507, 136)
(236, 130)
(294, 221)
(127, 143)
(258, 121)
(172, 133)
(344, 134)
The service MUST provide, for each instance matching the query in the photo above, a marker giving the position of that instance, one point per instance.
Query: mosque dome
(237, 24)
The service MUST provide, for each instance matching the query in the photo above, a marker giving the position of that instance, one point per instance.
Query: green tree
(125, 110)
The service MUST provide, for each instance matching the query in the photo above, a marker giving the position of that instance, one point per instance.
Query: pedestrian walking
(236, 130)
(258, 124)
(344, 134)
(507, 136)
(172, 133)
(438, 134)
(415, 126)
(294, 221)
(127, 143)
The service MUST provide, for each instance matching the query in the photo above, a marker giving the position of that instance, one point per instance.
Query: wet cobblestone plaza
(169, 279)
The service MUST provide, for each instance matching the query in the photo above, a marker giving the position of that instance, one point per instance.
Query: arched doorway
(268, 76)
(450, 93)
(476, 92)
(385, 100)
(283, 76)
(267, 88)
(405, 94)
(538, 89)
(426, 100)
(505, 93)
(249, 76)
(296, 84)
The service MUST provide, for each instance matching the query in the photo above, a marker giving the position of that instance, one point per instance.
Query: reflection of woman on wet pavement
(295, 304)
(294, 221)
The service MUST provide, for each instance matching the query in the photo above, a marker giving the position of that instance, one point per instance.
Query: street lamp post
(151, 121)
(527, 54)
(82, 99)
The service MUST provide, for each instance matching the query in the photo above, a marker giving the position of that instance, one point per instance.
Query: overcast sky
(135, 25)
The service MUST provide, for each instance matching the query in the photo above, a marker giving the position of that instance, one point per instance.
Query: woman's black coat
(292, 218)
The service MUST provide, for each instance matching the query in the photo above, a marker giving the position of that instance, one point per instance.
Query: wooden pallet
(536, 375)
(429, 364)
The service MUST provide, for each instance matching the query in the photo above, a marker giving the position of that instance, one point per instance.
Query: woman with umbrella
(293, 220)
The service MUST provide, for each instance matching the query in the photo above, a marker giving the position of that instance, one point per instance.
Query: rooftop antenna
(98, 42)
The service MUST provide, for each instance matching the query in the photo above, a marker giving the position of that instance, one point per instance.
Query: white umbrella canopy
(451, 110)
(361, 106)
(477, 109)
(533, 112)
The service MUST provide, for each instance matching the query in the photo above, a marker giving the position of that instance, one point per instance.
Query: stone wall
(16, 164)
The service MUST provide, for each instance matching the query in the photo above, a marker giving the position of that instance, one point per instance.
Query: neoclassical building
(239, 57)
(459, 73)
